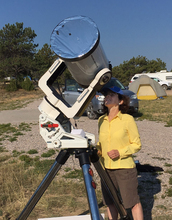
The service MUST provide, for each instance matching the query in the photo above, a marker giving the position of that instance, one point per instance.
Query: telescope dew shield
(76, 40)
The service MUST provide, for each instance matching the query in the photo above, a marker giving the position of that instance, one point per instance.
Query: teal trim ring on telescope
(75, 38)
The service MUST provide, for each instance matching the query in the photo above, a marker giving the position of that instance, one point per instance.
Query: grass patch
(49, 153)
(67, 169)
(42, 166)
(32, 151)
(158, 158)
(11, 132)
(161, 207)
(74, 174)
(18, 184)
(169, 192)
(18, 99)
(156, 110)
(163, 196)
(2, 149)
(17, 153)
(4, 158)
(170, 180)
(26, 159)
(168, 171)
(163, 217)
(167, 165)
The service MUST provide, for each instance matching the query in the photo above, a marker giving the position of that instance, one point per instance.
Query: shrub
(12, 86)
(27, 84)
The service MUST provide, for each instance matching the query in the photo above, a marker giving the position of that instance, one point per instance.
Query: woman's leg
(137, 212)
(112, 212)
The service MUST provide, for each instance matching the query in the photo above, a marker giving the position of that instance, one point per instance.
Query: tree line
(19, 57)
(140, 64)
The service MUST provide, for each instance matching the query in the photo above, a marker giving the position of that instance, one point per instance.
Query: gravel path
(156, 150)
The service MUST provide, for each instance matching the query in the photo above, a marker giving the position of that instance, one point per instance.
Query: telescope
(76, 42)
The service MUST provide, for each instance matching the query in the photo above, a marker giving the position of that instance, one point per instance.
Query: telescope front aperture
(75, 38)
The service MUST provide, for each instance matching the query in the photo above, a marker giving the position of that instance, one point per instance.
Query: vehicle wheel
(164, 87)
(90, 113)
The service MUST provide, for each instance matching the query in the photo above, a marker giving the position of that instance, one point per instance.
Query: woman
(118, 140)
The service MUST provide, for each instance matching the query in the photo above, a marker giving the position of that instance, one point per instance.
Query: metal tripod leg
(60, 160)
(112, 191)
(84, 156)
(84, 160)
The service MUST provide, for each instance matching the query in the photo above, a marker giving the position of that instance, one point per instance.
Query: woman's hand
(113, 154)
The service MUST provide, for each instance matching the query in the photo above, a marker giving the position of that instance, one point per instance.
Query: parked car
(165, 84)
(72, 90)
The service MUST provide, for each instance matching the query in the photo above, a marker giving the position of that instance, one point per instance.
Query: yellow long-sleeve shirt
(120, 133)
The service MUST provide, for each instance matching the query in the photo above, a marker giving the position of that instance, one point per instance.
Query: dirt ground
(169, 92)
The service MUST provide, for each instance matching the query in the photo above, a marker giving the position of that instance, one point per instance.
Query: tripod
(85, 156)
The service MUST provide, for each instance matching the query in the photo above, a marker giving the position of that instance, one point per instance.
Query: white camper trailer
(163, 75)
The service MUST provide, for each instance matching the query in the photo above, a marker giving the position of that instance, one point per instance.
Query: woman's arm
(134, 139)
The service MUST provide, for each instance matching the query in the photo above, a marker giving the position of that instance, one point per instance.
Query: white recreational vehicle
(163, 77)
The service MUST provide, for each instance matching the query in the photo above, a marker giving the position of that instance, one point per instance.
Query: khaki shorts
(125, 180)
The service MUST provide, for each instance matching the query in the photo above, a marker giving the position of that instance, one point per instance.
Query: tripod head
(76, 41)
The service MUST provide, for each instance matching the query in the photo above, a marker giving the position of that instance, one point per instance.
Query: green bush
(27, 84)
(12, 86)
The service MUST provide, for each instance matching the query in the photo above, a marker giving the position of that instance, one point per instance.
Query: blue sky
(127, 27)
